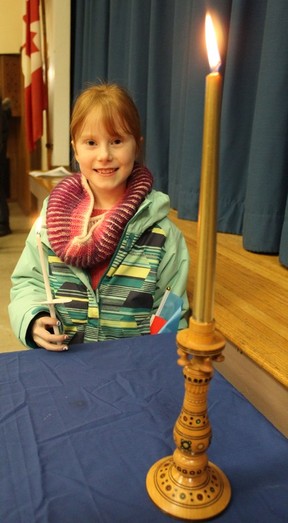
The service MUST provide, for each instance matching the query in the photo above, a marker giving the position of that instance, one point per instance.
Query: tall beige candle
(203, 300)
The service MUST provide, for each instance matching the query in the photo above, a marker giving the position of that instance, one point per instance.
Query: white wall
(10, 26)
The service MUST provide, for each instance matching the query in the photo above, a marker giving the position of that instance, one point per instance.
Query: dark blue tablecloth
(79, 431)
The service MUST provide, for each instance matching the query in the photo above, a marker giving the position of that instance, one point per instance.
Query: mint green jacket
(151, 256)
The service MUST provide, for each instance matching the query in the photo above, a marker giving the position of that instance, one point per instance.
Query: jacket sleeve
(28, 289)
(173, 269)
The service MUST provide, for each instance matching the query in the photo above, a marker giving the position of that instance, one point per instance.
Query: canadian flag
(32, 68)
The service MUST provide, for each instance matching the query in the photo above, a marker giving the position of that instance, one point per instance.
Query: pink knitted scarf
(76, 238)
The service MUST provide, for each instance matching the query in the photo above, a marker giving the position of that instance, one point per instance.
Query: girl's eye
(116, 141)
(91, 142)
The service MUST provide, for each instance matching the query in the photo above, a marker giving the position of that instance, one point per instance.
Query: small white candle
(45, 274)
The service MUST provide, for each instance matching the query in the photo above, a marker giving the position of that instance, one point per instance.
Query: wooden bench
(41, 186)
(251, 309)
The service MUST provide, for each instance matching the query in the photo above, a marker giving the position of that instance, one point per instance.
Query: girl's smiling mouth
(106, 172)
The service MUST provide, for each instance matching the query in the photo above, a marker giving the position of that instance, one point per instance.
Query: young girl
(110, 248)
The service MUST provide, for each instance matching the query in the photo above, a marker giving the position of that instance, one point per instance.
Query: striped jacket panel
(122, 304)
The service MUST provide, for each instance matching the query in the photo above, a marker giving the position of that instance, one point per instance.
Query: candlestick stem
(186, 485)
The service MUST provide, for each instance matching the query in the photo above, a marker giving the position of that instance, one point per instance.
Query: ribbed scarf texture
(74, 237)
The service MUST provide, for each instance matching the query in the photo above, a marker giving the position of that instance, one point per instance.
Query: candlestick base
(174, 493)
(187, 485)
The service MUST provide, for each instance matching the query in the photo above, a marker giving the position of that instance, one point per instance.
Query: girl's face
(106, 161)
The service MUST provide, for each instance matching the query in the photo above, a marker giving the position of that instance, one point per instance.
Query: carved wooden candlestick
(186, 485)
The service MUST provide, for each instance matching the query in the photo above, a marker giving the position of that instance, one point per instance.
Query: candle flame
(211, 43)
(38, 225)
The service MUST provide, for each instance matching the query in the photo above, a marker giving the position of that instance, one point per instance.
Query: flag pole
(49, 145)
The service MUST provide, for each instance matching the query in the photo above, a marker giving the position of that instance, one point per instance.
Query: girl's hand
(43, 336)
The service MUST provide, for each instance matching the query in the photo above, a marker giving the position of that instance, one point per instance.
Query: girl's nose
(104, 152)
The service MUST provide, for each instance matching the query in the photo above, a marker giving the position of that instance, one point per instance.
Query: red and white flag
(32, 68)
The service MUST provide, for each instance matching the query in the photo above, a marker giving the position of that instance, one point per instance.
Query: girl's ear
(74, 149)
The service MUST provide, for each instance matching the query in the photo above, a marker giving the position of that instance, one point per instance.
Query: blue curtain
(156, 49)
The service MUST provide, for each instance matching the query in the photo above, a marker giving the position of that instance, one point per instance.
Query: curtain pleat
(267, 183)
(156, 48)
(239, 95)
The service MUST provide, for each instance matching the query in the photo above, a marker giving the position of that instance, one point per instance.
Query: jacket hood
(155, 207)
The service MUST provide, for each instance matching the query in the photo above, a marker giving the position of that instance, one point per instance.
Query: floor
(251, 299)
(11, 247)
